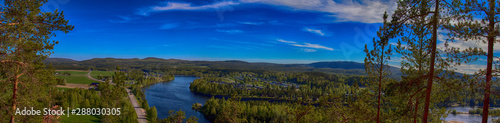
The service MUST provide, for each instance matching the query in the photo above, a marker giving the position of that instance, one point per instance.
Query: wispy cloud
(394, 44)
(251, 23)
(315, 46)
(308, 46)
(366, 11)
(285, 41)
(234, 31)
(187, 6)
(315, 31)
(123, 19)
(469, 68)
(310, 50)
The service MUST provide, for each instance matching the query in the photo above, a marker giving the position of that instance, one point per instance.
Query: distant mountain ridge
(340, 67)
(325, 64)
(338, 64)
(59, 60)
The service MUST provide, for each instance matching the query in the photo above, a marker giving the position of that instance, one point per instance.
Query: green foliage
(196, 106)
(136, 74)
(145, 105)
(80, 119)
(222, 110)
(175, 117)
(492, 112)
(167, 77)
(119, 77)
(151, 115)
(454, 112)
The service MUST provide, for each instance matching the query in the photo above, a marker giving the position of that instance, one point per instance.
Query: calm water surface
(174, 95)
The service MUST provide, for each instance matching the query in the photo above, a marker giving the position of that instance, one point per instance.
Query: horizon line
(221, 59)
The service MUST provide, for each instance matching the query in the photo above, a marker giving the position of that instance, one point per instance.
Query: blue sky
(278, 31)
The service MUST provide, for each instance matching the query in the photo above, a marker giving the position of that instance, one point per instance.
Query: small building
(93, 86)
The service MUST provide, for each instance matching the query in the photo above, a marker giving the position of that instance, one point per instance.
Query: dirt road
(141, 113)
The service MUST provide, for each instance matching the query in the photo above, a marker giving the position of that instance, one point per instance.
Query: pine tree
(419, 19)
(25, 42)
(476, 21)
(376, 63)
(119, 77)
(152, 115)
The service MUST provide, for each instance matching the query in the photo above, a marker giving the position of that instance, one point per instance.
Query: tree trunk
(491, 39)
(433, 59)
(416, 110)
(14, 98)
(380, 84)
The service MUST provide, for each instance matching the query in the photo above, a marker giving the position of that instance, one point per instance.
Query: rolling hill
(337, 67)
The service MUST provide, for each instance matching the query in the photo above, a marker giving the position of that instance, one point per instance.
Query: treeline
(291, 86)
(271, 92)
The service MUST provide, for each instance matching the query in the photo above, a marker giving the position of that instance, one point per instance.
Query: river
(466, 118)
(174, 95)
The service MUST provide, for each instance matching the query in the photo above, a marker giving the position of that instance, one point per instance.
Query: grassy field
(74, 72)
(80, 119)
(77, 79)
(94, 74)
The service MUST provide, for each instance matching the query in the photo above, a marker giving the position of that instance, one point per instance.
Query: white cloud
(366, 11)
(235, 31)
(308, 46)
(395, 59)
(315, 31)
(315, 46)
(310, 50)
(187, 6)
(469, 68)
(285, 41)
(462, 44)
(394, 44)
